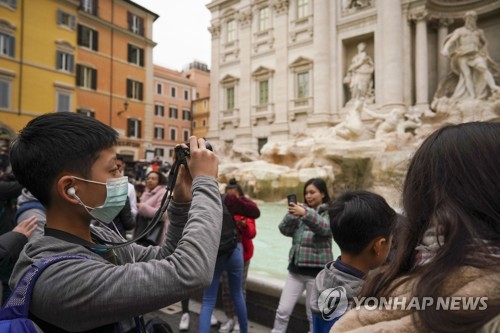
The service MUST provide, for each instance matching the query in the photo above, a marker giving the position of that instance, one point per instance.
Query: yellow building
(37, 60)
(201, 113)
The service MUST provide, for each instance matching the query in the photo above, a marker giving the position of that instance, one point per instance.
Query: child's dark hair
(233, 184)
(55, 143)
(358, 217)
(320, 184)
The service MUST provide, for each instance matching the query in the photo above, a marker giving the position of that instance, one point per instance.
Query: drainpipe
(21, 59)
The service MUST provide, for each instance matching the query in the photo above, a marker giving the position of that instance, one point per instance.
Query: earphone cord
(165, 201)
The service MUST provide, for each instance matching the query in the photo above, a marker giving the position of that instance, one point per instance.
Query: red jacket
(247, 233)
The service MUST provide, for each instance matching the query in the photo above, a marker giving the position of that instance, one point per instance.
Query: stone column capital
(215, 30)
(445, 21)
(245, 18)
(280, 6)
(418, 16)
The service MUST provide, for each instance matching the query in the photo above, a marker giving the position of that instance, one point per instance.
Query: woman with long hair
(309, 226)
(448, 259)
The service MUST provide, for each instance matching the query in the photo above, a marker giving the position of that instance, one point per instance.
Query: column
(421, 60)
(443, 62)
(322, 85)
(213, 128)
(391, 21)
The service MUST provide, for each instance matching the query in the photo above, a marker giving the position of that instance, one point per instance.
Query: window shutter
(129, 20)
(95, 40)
(94, 79)
(78, 75)
(79, 33)
(141, 26)
(130, 125)
(140, 90)
(12, 45)
(141, 57)
(129, 88)
(129, 53)
(72, 21)
(58, 60)
(71, 63)
(59, 16)
(95, 7)
(139, 129)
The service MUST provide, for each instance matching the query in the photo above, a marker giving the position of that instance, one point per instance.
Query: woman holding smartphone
(309, 226)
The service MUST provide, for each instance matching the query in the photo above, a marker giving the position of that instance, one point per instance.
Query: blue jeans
(233, 264)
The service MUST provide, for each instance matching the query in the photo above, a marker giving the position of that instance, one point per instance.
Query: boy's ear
(63, 186)
(378, 245)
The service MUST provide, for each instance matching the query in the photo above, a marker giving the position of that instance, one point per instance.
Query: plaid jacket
(312, 237)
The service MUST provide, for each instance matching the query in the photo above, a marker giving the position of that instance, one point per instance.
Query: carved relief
(215, 30)
(280, 6)
(245, 18)
(349, 6)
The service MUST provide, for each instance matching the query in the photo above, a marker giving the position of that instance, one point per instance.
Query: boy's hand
(26, 227)
(202, 162)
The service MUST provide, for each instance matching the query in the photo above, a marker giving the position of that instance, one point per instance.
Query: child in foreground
(361, 224)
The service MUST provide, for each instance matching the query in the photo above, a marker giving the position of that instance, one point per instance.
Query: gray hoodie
(78, 295)
(336, 274)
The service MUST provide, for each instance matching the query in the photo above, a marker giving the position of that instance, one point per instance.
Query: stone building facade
(279, 66)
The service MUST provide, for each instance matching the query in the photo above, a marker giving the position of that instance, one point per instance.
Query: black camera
(182, 152)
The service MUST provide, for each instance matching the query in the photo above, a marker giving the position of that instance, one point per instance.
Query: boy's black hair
(358, 217)
(54, 143)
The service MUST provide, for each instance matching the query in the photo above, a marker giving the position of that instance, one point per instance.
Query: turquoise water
(270, 258)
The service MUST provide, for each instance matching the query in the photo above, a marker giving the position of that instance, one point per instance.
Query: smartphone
(291, 198)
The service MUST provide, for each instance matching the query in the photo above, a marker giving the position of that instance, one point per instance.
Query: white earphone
(71, 191)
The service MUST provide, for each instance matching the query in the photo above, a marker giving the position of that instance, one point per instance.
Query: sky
(181, 32)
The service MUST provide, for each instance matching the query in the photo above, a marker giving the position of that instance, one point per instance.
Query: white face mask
(116, 197)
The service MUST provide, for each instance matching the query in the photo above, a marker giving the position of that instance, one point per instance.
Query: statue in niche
(470, 63)
(360, 75)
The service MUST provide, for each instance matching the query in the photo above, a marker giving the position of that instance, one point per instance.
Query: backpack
(229, 232)
(14, 314)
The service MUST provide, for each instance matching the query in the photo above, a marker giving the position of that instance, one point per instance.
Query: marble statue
(360, 74)
(467, 49)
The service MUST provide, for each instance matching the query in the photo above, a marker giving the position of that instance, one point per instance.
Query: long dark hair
(453, 183)
(320, 184)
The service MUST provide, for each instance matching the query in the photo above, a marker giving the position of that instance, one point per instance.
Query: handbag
(154, 237)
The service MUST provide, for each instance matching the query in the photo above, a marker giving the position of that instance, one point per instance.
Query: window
(87, 112)
(172, 91)
(205, 105)
(186, 114)
(88, 37)
(159, 132)
(194, 123)
(159, 110)
(135, 55)
(66, 19)
(10, 3)
(303, 85)
(64, 61)
(231, 31)
(5, 91)
(135, 24)
(159, 152)
(186, 95)
(134, 128)
(134, 89)
(173, 134)
(264, 19)
(230, 98)
(7, 44)
(263, 92)
(260, 143)
(86, 77)
(203, 123)
(172, 112)
(185, 135)
(159, 88)
(89, 6)
(63, 102)
(302, 8)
